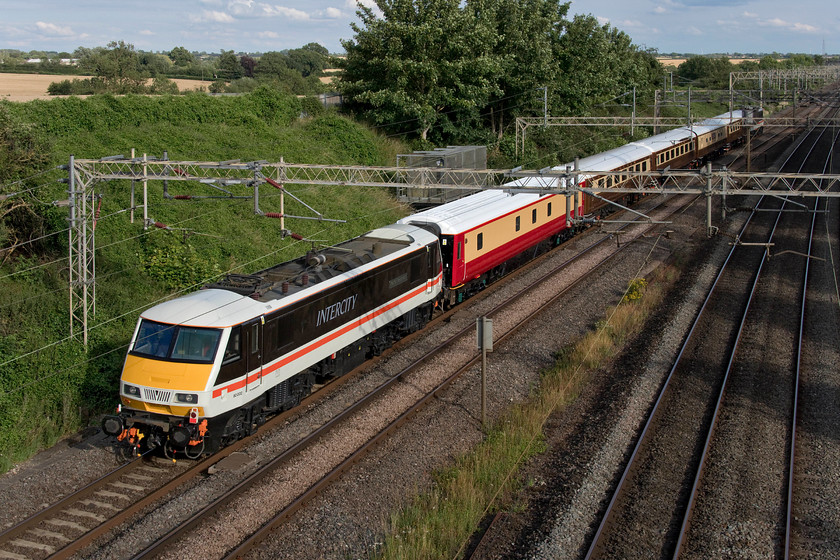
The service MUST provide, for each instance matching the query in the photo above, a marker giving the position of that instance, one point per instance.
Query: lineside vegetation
(439, 523)
(49, 385)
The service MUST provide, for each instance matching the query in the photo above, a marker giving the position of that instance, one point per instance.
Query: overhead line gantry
(85, 174)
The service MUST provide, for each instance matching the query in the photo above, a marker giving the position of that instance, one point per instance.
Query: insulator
(273, 215)
(304, 279)
(161, 226)
(182, 197)
(297, 236)
(284, 287)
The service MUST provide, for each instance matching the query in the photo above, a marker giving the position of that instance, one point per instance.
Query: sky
(253, 26)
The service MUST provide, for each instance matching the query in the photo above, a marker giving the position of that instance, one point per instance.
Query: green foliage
(49, 387)
(229, 67)
(449, 71)
(702, 71)
(176, 265)
(180, 56)
(635, 290)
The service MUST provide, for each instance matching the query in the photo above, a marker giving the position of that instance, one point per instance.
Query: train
(208, 368)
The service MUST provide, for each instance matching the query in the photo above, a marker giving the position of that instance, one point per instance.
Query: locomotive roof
(471, 211)
(239, 297)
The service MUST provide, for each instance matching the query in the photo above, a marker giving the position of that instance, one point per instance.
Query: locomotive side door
(252, 351)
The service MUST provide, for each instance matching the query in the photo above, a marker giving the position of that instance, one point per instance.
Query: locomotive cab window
(232, 350)
(176, 342)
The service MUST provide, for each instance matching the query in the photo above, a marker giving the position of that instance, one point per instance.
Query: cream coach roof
(471, 211)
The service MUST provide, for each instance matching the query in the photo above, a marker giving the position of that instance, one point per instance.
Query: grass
(439, 523)
(50, 387)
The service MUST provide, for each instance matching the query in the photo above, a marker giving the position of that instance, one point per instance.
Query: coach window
(548, 211)
(458, 256)
(518, 223)
(534, 216)
(479, 242)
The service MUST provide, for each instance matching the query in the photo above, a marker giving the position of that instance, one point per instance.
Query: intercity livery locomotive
(208, 368)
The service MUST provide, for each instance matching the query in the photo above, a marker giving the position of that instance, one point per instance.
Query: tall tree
(229, 67)
(406, 68)
(119, 67)
(181, 56)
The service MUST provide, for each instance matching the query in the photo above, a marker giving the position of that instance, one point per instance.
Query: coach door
(252, 350)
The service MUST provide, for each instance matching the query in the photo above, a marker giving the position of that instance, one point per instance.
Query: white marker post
(484, 330)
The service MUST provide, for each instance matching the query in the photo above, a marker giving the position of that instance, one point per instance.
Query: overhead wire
(131, 312)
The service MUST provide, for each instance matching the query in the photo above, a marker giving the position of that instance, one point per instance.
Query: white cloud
(602, 20)
(53, 29)
(146, 32)
(794, 26)
(804, 28)
(268, 35)
(630, 23)
(283, 11)
(333, 13)
(660, 10)
(212, 16)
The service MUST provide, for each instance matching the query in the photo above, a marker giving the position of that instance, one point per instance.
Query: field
(26, 87)
(677, 61)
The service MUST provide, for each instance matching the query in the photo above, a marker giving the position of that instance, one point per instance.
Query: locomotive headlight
(190, 398)
(131, 390)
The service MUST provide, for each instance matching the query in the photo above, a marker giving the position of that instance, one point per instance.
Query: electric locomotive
(206, 369)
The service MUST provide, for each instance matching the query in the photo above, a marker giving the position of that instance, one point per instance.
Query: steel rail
(795, 405)
(176, 532)
(272, 524)
(721, 394)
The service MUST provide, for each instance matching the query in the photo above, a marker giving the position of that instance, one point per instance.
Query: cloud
(147, 32)
(53, 29)
(268, 35)
(779, 23)
(333, 13)
(631, 23)
(708, 3)
(212, 16)
(660, 10)
(283, 11)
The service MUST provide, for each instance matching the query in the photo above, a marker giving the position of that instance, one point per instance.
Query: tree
(706, 72)
(318, 48)
(181, 56)
(229, 67)
(119, 67)
(154, 64)
(306, 61)
(248, 64)
(272, 63)
(406, 68)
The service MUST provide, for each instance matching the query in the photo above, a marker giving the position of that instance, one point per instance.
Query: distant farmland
(26, 87)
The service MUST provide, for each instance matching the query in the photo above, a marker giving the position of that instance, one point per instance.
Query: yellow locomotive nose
(160, 382)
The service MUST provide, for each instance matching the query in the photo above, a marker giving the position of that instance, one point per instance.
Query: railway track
(706, 417)
(412, 388)
(84, 516)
